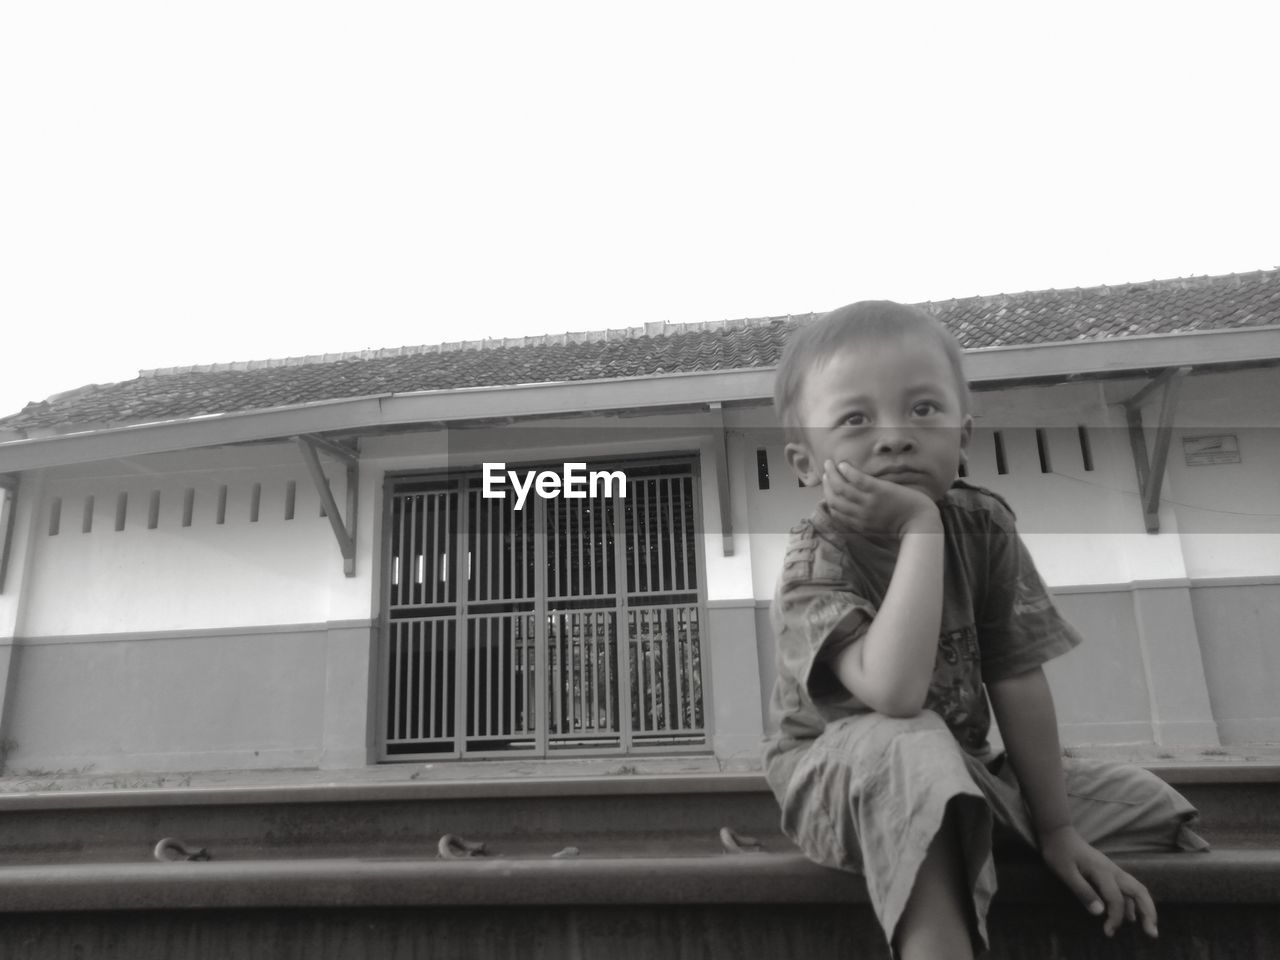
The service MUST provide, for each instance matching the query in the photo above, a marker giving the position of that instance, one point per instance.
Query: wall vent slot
(222, 504)
(290, 498)
(255, 501)
(762, 468)
(1002, 466)
(1042, 448)
(188, 506)
(122, 511)
(55, 516)
(86, 522)
(153, 511)
(1086, 448)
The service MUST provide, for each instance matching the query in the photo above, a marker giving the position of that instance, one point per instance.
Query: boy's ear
(801, 461)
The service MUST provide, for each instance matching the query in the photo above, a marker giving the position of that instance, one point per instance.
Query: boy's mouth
(902, 474)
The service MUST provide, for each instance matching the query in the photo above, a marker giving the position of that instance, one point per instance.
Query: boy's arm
(1023, 706)
(889, 668)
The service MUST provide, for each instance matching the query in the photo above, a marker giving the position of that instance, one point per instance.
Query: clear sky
(200, 182)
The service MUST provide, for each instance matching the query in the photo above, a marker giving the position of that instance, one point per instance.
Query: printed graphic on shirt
(956, 693)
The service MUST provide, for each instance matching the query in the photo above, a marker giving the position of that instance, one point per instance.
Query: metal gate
(597, 596)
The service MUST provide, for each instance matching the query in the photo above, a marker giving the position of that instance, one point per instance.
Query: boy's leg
(1125, 809)
(1116, 807)
(937, 921)
(871, 795)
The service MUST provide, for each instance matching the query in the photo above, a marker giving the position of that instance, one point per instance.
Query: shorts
(870, 793)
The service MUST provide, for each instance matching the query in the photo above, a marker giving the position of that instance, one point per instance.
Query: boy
(904, 594)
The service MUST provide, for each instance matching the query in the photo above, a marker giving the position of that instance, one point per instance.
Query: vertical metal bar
(541, 654)
(400, 549)
(505, 697)
(651, 660)
(570, 671)
(500, 656)
(441, 550)
(580, 645)
(622, 646)
(595, 669)
(519, 674)
(479, 562)
(408, 549)
(668, 625)
(431, 682)
(435, 508)
(462, 631)
(642, 667)
(475, 557)
(419, 645)
(684, 536)
(604, 545)
(655, 682)
(595, 544)
(522, 526)
(527, 689)
(450, 695)
(582, 559)
(395, 682)
(691, 624)
(500, 550)
(484, 545)
(661, 493)
(562, 705)
(555, 537)
(611, 658)
(676, 635)
(453, 563)
(696, 671)
(648, 575)
(434, 535)
(483, 675)
(489, 623)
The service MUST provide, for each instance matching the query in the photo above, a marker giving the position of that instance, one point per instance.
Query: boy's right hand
(869, 505)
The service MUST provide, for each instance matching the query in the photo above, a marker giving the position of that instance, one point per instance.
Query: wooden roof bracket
(8, 508)
(721, 445)
(310, 444)
(1151, 472)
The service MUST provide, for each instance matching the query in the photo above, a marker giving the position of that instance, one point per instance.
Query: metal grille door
(527, 657)
(422, 623)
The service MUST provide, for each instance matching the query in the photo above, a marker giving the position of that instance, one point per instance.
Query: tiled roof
(1160, 306)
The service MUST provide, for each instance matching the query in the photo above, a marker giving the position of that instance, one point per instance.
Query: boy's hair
(813, 344)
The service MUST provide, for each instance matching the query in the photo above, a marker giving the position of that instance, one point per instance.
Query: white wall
(206, 575)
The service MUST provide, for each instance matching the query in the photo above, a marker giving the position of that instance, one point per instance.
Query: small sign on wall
(1219, 448)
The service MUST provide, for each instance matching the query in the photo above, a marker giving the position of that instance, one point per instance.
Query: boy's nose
(893, 441)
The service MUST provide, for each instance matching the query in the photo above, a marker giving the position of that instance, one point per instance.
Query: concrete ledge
(349, 786)
(1221, 877)
(400, 790)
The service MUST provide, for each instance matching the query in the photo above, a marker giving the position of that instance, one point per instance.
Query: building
(294, 563)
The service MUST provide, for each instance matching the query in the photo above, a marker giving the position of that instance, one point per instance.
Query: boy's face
(891, 409)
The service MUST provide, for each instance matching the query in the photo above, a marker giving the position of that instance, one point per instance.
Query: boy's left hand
(1100, 885)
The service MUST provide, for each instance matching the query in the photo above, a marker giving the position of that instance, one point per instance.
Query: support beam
(310, 445)
(721, 444)
(8, 510)
(1151, 472)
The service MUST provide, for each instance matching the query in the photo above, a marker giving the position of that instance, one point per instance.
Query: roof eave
(988, 366)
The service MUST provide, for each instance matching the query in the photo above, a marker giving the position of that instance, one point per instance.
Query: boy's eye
(855, 419)
(925, 407)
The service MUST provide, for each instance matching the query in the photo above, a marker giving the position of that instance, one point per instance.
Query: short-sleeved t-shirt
(997, 621)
